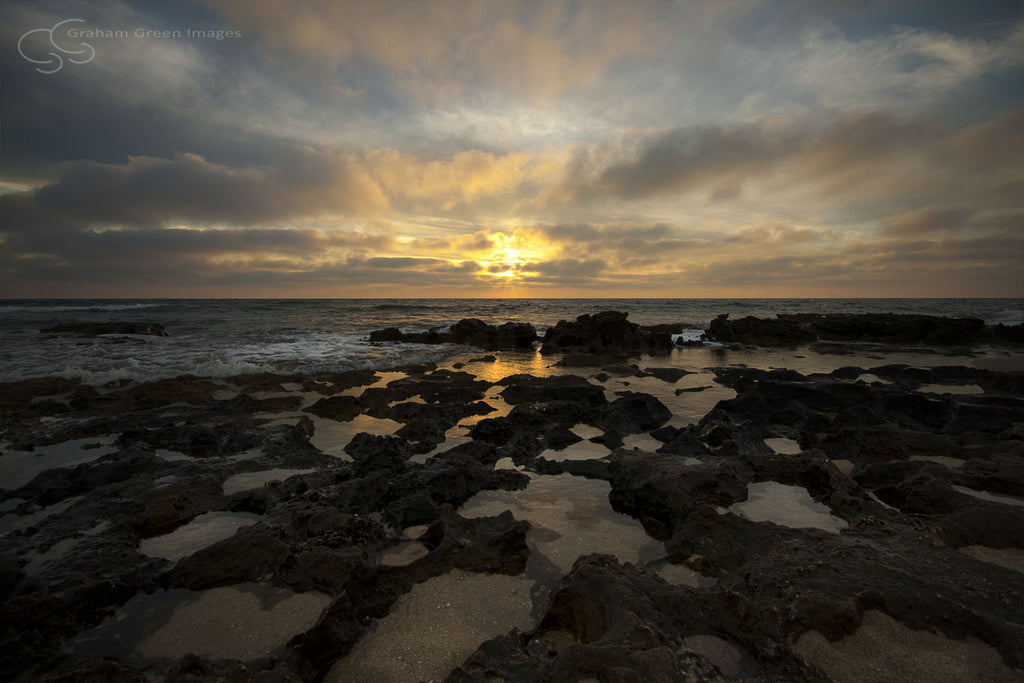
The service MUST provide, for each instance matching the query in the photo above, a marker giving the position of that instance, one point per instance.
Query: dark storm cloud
(928, 220)
(843, 151)
(685, 157)
(149, 192)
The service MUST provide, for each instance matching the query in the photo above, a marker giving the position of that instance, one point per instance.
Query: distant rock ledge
(883, 328)
(94, 329)
(607, 333)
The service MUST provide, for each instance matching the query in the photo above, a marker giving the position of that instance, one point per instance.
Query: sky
(435, 148)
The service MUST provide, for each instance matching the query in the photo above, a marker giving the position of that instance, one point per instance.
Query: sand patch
(434, 627)
(884, 650)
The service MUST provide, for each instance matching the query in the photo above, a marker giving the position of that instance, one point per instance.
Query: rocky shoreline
(918, 471)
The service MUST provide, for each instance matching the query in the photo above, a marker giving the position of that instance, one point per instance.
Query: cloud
(903, 64)
(846, 150)
(927, 220)
(442, 48)
(303, 182)
(149, 192)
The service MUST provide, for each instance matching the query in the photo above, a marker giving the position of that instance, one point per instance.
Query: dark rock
(390, 334)
(585, 360)
(791, 330)
(254, 553)
(342, 409)
(167, 508)
(560, 437)
(660, 490)
(670, 375)
(376, 453)
(484, 544)
(83, 669)
(612, 439)
(758, 331)
(569, 388)
(194, 669)
(604, 333)
(632, 413)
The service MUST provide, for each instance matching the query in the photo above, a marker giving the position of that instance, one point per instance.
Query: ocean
(225, 337)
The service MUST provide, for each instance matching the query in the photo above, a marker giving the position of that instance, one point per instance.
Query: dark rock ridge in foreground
(94, 329)
(893, 461)
(803, 328)
(905, 551)
(467, 331)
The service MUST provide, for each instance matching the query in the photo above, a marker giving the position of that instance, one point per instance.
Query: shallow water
(959, 389)
(331, 436)
(254, 480)
(242, 622)
(783, 446)
(569, 517)
(13, 522)
(201, 532)
(991, 497)
(18, 468)
(404, 553)
(791, 506)
(1008, 558)
(581, 450)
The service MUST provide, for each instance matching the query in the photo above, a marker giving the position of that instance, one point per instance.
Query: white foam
(102, 360)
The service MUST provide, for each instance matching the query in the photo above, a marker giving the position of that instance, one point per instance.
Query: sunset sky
(456, 149)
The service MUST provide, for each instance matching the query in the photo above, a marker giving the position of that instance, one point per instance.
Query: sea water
(224, 337)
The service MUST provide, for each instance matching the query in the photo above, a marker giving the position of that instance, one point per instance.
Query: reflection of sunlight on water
(507, 363)
(331, 436)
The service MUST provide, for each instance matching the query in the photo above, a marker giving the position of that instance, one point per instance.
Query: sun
(512, 259)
